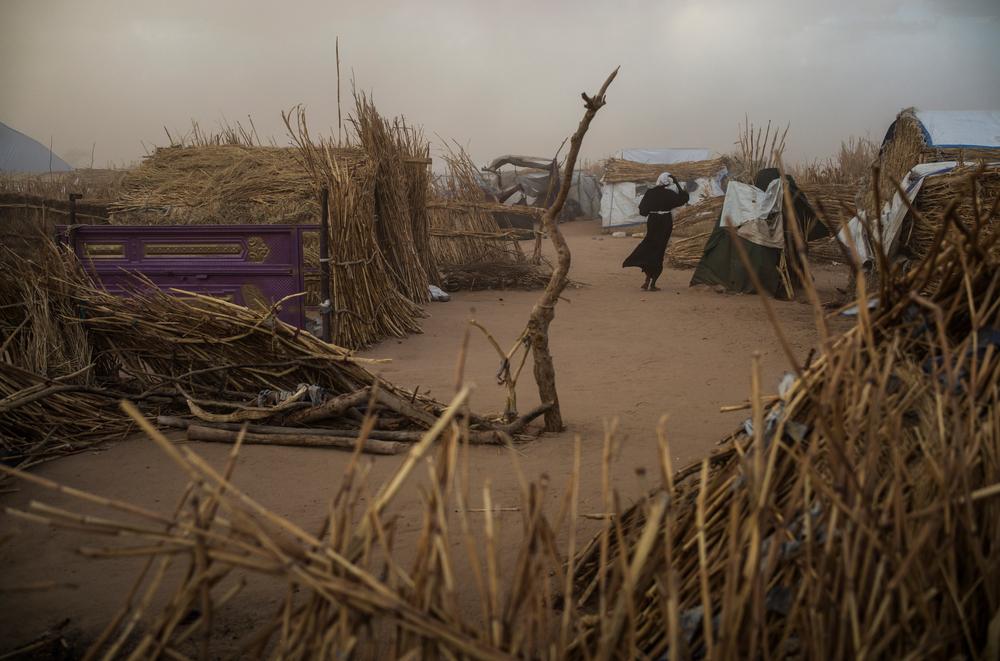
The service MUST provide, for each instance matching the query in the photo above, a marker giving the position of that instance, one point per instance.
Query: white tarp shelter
(19, 153)
(620, 200)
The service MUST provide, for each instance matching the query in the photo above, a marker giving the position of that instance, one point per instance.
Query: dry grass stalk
(851, 165)
(757, 149)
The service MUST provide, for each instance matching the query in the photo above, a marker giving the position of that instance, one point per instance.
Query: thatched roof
(619, 170)
(224, 184)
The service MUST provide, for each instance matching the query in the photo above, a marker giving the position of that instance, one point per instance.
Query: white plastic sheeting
(620, 201)
(961, 128)
(755, 214)
(664, 155)
(893, 214)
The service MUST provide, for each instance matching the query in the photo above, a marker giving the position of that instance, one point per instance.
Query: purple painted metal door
(251, 265)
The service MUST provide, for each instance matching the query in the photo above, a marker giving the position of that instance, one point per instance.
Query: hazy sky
(500, 77)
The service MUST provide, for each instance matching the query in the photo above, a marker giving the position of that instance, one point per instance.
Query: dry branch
(544, 310)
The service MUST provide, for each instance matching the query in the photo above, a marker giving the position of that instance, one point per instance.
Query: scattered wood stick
(332, 408)
(371, 446)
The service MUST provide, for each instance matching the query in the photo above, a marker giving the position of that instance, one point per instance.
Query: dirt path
(620, 353)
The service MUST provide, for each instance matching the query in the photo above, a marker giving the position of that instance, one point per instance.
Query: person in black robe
(656, 206)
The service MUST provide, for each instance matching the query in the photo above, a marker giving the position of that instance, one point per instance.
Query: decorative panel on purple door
(252, 265)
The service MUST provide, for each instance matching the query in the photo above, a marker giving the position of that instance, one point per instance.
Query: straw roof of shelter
(618, 170)
(222, 184)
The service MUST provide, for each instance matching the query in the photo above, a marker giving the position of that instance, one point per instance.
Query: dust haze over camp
(721, 381)
(108, 75)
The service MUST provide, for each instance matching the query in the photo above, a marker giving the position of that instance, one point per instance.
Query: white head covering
(666, 179)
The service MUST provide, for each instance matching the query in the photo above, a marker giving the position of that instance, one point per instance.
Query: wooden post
(326, 305)
(73, 197)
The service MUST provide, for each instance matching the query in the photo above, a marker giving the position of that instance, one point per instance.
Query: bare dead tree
(545, 309)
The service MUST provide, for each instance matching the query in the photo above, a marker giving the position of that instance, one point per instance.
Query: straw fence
(471, 249)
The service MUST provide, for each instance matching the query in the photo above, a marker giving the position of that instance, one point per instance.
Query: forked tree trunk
(545, 309)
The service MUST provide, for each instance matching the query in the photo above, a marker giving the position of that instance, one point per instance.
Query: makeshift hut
(632, 172)
(534, 182)
(925, 159)
(473, 250)
(763, 229)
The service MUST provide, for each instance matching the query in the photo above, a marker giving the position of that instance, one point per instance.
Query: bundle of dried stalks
(44, 418)
(365, 294)
(685, 252)
(851, 165)
(417, 158)
(856, 516)
(757, 149)
(617, 170)
(461, 205)
(388, 147)
(497, 275)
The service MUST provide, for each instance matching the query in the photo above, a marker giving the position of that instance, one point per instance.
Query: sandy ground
(621, 355)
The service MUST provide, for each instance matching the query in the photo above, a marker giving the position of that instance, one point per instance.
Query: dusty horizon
(106, 77)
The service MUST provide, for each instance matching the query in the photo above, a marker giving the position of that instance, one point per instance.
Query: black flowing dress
(656, 205)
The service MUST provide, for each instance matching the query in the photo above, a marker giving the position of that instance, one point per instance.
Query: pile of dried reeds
(43, 418)
(617, 170)
(855, 516)
(850, 165)
(692, 226)
(78, 350)
(221, 184)
(499, 275)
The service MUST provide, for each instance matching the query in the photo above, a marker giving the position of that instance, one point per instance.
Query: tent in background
(533, 185)
(621, 191)
(757, 214)
(19, 153)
